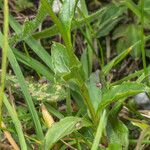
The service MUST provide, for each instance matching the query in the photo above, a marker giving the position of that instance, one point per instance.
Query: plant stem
(101, 54)
(143, 42)
(4, 56)
(88, 102)
(66, 37)
(68, 102)
(134, 141)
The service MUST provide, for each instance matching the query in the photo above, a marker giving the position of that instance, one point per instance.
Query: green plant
(95, 124)
(4, 58)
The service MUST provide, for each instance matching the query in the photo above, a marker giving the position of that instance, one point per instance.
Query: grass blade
(25, 91)
(17, 124)
(99, 131)
(121, 91)
(143, 43)
(116, 60)
(4, 56)
(33, 44)
(34, 64)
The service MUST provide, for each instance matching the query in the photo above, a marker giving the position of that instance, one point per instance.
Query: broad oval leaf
(121, 91)
(62, 128)
(60, 59)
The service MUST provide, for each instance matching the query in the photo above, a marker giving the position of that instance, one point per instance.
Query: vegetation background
(75, 74)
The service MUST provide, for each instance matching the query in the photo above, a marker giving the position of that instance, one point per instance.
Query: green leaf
(66, 15)
(114, 146)
(34, 64)
(30, 26)
(116, 60)
(130, 35)
(109, 19)
(121, 91)
(62, 24)
(28, 99)
(94, 90)
(40, 51)
(117, 132)
(101, 126)
(33, 44)
(88, 52)
(62, 128)
(141, 124)
(136, 10)
(146, 10)
(60, 59)
(16, 123)
(85, 63)
(51, 31)
(147, 53)
(134, 35)
(54, 111)
(146, 6)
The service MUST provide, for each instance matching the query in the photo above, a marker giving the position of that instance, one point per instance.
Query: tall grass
(143, 42)
(4, 56)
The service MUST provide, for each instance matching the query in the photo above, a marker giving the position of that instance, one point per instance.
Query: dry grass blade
(142, 135)
(68, 145)
(10, 138)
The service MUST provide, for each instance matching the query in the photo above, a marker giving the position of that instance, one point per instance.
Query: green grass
(4, 56)
(143, 42)
(74, 77)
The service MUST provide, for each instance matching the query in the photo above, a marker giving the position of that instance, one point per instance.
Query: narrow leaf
(35, 45)
(34, 64)
(99, 131)
(116, 60)
(25, 91)
(17, 124)
(121, 91)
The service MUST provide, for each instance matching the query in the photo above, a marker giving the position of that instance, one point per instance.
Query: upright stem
(68, 102)
(4, 56)
(66, 37)
(143, 42)
(88, 102)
